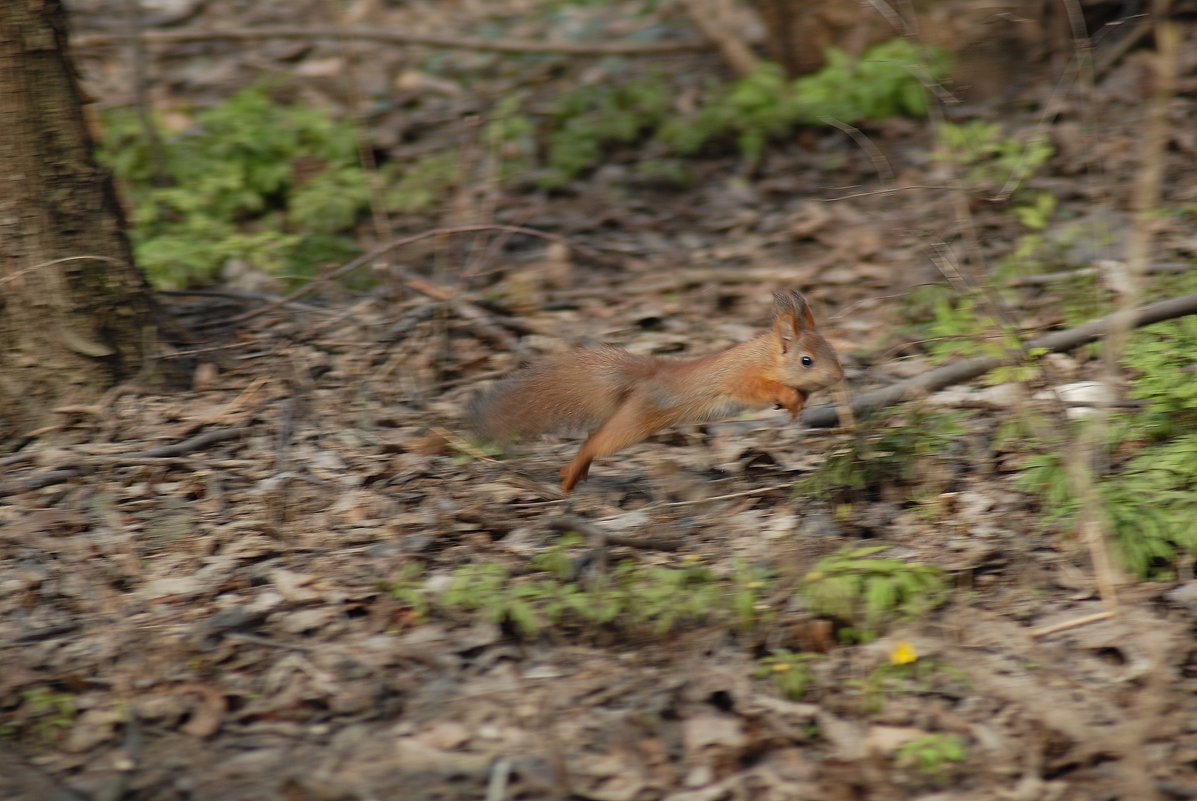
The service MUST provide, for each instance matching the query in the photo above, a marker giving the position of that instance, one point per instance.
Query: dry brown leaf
(207, 710)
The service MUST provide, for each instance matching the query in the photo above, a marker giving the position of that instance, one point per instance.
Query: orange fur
(626, 398)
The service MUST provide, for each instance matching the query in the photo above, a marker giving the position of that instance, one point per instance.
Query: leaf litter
(219, 623)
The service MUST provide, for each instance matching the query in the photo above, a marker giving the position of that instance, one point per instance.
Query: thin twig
(472, 314)
(63, 474)
(18, 273)
(600, 537)
(198, 442)
(1042, 279)
(400, 38)
(880, 163)
(1075, 622)
(726, 497)
(1090, 452)
(889, 190)
(1112, 54)
(366, 258)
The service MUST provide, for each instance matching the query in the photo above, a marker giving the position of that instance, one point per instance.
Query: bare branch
(397, 38)
(825, 416)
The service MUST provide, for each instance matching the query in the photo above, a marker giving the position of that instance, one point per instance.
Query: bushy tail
(572, 391)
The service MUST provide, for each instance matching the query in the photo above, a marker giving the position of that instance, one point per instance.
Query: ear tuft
(792, 306)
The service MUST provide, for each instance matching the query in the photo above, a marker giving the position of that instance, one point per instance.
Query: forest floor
(264, 612)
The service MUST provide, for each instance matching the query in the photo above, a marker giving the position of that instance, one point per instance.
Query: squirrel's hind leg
(633, 422)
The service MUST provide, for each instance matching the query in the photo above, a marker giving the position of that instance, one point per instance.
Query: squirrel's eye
(807, 361)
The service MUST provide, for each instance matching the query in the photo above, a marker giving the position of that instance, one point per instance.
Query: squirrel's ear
(783, 323)
(803, 317)
(793, 309)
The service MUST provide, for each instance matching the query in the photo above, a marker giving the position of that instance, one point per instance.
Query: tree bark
(798, 32)
(76, 316)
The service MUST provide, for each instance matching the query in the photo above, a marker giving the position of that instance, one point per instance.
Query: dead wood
(17, 775)
(599, 537)
(473, 315)
(395, 37)
(59, 475)
(711, 19)
(826, 416)
(1046, 279)
(381, 250)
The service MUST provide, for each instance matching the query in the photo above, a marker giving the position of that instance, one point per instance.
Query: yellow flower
(903, 653)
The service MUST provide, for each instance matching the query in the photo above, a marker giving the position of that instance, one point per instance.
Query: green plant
(51, 712)
(904, 672)
(990, 162)
(1044, 474)
(789, 671)
(556, 560)
(1054, 246)
(960, 329)
(408, 587)
(931, 753)
(578, 128)
(885, 81)
(631, 597)
(1162, 358)
(424, 184)
(1172, 284)
(663, 597)
(1149, 501)
(581, 127)
(865, 593)
(1149, 504)
(956, 328)
(748, 586)
(1081, 298)
(588, 120)
(491, 590)
(886, 456)
(751, 110)
(275, 186)
(511, 136)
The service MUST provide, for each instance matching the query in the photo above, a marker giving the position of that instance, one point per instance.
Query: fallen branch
(60, 475)
(366, 258)
(600, 538)
(1067, 275)
(826, 416)
(395, 37)
(473, 315)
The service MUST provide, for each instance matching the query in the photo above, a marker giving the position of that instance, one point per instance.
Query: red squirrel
(629, 397)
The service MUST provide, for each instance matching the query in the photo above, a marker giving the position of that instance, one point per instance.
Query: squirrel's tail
(572, 391)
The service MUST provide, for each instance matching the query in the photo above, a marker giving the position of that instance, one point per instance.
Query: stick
(600, 537)
(63, 474)
(366, 258)
(394, 37)
(826, 416)
(1071, 624)
(711, 19)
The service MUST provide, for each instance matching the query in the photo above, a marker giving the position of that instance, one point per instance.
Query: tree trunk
(76, 316)
(798, 32)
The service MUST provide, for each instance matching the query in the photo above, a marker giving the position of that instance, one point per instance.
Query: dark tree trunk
(76, 316)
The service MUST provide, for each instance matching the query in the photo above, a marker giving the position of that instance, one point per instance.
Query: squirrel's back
(622, 398)
(575, 390)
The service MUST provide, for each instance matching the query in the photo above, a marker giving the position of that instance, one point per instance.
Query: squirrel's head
(808, 362)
